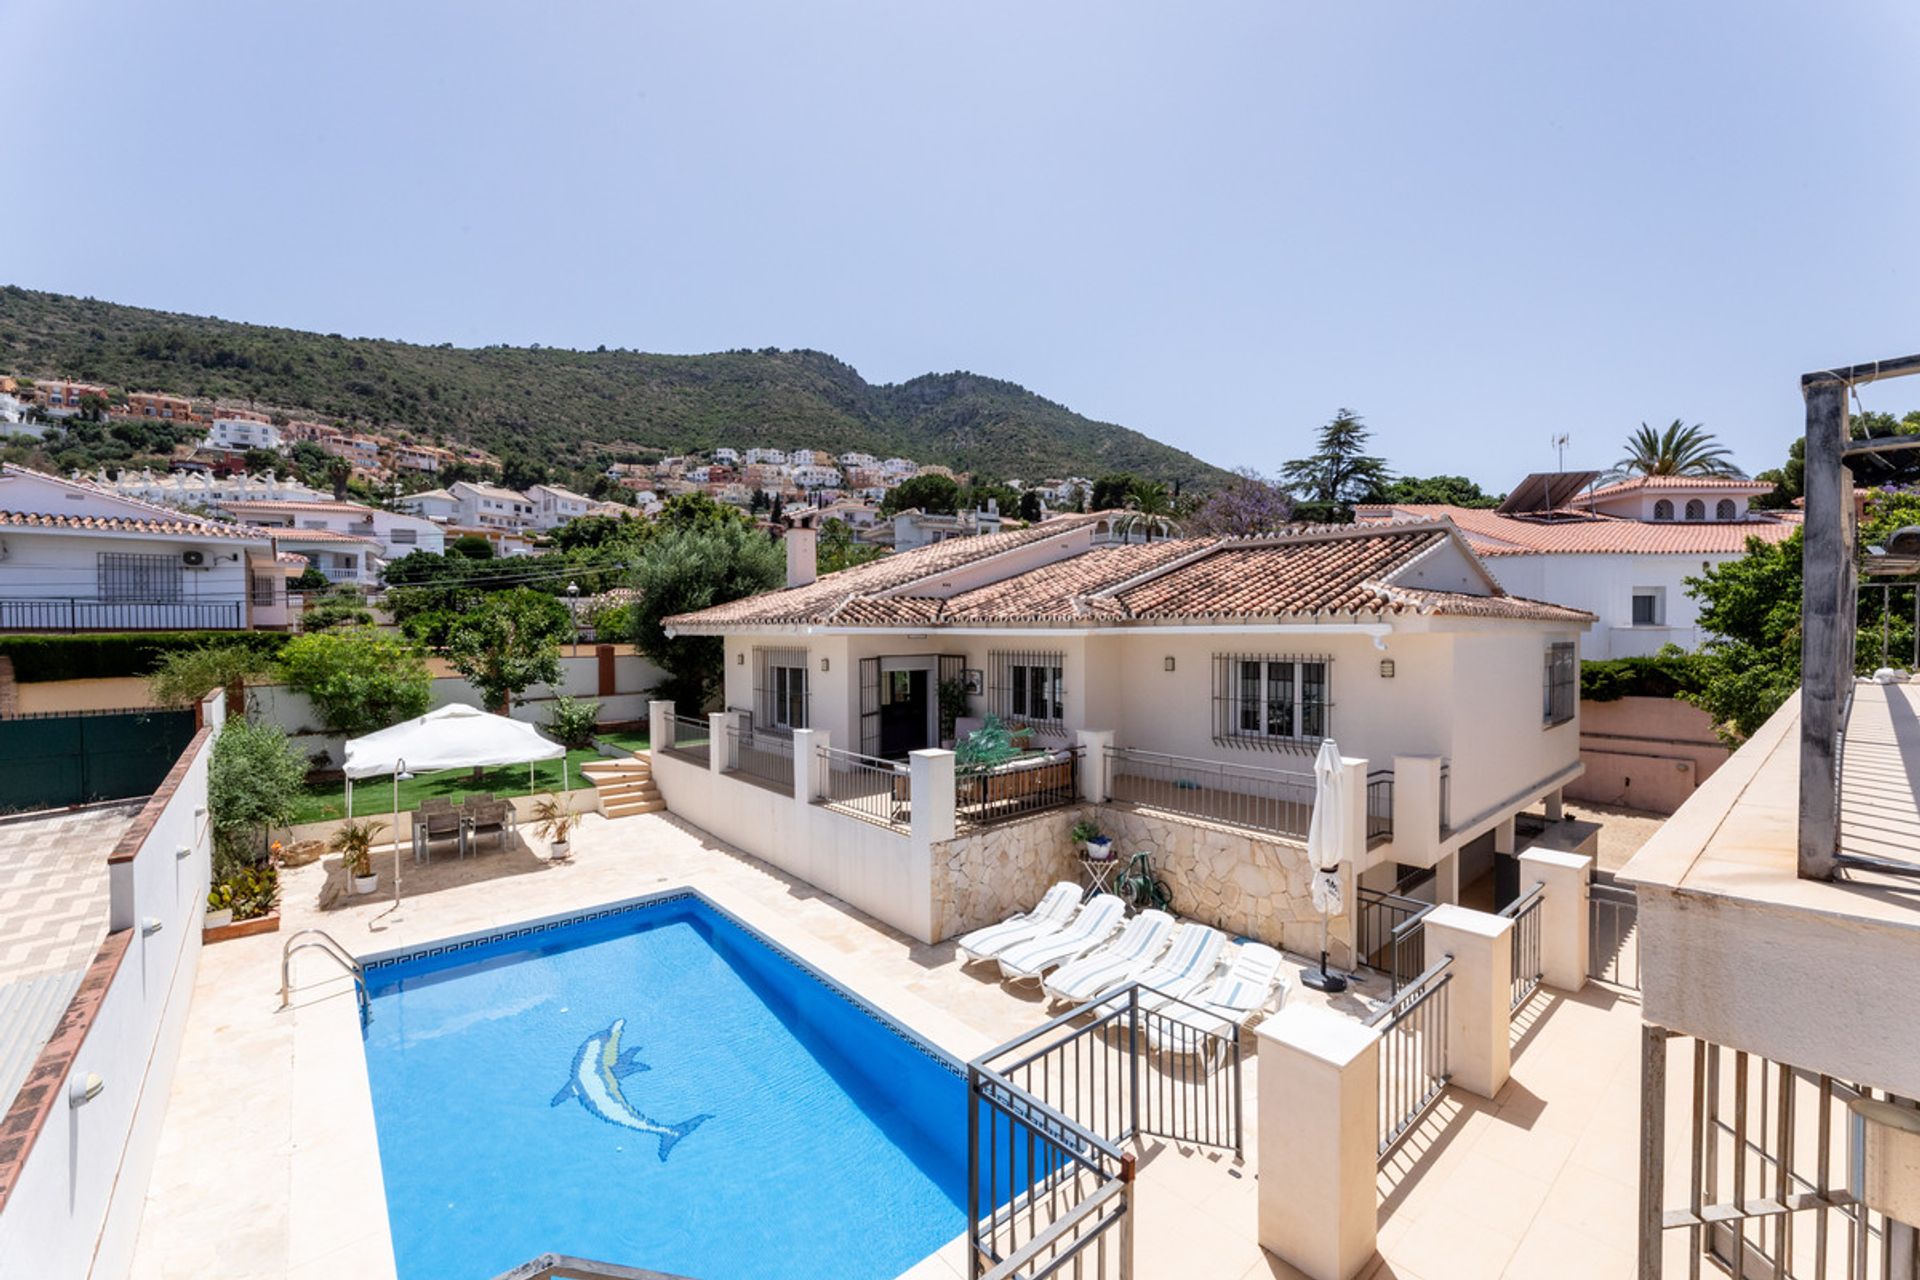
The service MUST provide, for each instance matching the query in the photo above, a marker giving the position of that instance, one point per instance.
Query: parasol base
(1322, 980)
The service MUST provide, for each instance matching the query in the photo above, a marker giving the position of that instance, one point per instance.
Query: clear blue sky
(1215, 223)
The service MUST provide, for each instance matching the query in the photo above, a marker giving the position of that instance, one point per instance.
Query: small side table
(1099, 872)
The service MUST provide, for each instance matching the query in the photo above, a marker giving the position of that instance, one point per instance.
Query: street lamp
(573, 611)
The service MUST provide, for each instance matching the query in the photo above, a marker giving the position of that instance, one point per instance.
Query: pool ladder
(322, 941)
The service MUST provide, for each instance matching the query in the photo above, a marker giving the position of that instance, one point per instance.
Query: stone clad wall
(1221, 876)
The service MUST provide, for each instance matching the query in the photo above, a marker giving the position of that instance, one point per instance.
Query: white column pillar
(659, 727)
(931, 783)
(1563, 913)
(721, 745)
(1319, 1118)
(1416, 810)
(809, 770)
(1093, 764)
(1503, 836)
(1556, 805)
(1478, 994)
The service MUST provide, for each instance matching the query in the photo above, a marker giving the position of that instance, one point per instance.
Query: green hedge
(128, 653)
(1665, 675)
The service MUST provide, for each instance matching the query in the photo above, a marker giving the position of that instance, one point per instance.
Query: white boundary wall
(75, 1208)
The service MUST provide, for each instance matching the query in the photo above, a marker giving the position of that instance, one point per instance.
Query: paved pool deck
(268, 1166)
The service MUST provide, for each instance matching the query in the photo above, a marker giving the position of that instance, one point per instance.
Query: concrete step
(632, 764)
(625, 794)
(629, 809)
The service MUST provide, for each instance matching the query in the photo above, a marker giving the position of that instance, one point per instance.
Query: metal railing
(77, 614)
(321, 940)
(763, 756)
(560, 1266)
(1065, 1095)
(1414, 1066)
(868, 788)
(1392, 931)
(998, 793)
(1525, 912)
(1379, 805)
(1613, 935)
(692, 739)
(1275, 801)
(1446, 797)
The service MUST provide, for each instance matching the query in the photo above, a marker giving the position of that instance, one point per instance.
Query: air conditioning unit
(193, 559)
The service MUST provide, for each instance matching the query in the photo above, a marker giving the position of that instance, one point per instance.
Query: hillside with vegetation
(580, 408)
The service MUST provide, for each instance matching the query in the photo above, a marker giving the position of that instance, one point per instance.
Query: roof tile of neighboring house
(1639, 484)
(1492, 534)
(1314, 572)
(177, 528)
(276, 504)
(317, 535)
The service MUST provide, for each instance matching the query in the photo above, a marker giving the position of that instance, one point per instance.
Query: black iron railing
(869, 788)
(999, 793)
(1525, 911)
(1392, 931)
(1414, 1066)
(1379, 805)
(760, 755)
(76, 614)
(1275, 801)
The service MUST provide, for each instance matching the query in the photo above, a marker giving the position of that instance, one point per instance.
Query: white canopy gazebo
(454, 737)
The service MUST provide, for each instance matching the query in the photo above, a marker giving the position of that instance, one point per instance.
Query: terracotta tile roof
(314, 535)
(178, 527)
(275, 504)
(1492, 534)
(1311, 573)
(1642, 484)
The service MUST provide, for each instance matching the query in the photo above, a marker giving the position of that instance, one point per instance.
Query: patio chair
(1189, 964)
(489, 818)
(1053, 908)
(437, 822)
(1252, 983)
(1090, 926)
(1114, 965)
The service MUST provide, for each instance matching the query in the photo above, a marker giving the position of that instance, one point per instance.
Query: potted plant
(1094, 846)
(354, 842)
(554, 820)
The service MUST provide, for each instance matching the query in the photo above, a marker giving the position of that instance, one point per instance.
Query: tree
(933, 493)
(593, 533)
(468, 546)
(1149, 508)
(1443, 491)
(1751, 607)
(1339, 472)
(838, 550)
(358, 678)
(1680, 450)
(1248, 504)
(698, 511)
(510, 643)
(185, 676)
(338, 472)
(1030, 506)
(1110, 491)
(685, 570)
(254, 780)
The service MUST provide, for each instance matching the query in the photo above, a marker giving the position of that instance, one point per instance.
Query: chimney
(802, 556)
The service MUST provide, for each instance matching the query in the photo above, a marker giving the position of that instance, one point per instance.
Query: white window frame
(1272, 701)
(1560, 684)
(1659, 610)
(782, 694)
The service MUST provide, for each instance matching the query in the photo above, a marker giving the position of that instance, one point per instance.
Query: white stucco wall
(1604, 585)
(53, 566)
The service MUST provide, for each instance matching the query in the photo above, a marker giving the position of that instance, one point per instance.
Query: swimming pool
(654, 1085)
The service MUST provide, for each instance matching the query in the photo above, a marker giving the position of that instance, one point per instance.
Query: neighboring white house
(726, 457)
(436, 505)
(388, 534)
(915, 528)
(1202, 673)
(778, 457)
(553, 506)
(202, 489)
(237, 435)
(812, 475)
(1622, 551)
(73, 557)
(489, 506)
(13, 418)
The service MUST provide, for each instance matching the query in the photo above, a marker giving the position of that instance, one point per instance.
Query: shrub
(254, 780)
(248, 891)
(1671, 673)
(572, 722)
(335, 613)
(186, 675)
(310, 579)
(129, 653)
(359, 678)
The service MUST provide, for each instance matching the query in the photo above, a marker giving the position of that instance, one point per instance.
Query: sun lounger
(1188, 965)
(1090, 926)
(1252, 982)
(1104, 968)
(986, 944)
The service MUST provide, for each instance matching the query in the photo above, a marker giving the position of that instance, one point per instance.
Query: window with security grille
(1562, 683)
(1271, 700)
(266, 589)
(780, 688)
(127, 578)
(1029, 688)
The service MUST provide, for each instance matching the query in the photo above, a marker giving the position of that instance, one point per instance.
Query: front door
(904, 711)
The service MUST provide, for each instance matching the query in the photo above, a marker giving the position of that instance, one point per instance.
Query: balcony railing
(761, 755)
(692, 739)
(999, 793)
(1379, 806)
(78, 614)
(1527, 968)
(867, 787)
(1275, 801)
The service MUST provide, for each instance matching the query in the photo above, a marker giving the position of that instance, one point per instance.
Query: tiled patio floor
(267, 1164)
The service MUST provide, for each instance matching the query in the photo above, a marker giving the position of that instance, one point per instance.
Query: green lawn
(374, 796)
(631, 739)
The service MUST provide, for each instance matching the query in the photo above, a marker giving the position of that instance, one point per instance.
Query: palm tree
(1150, 507)
(1680, 450)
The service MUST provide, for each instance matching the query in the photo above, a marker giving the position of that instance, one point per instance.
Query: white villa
(347, 536)
(1622, 551)
(553, 506)
(437, 505)
(1188, 681)
(490, 506)
(202, 489)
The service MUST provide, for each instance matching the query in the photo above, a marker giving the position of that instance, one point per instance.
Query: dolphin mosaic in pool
(598, 1068)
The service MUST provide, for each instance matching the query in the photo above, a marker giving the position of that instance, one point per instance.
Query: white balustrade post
(931, 789)
(809, 783)
(1479, 993)
(1416, 810)
(1564, 922)
(1319, 1134)
(1094, 787)
(721, 745)
(659, 727)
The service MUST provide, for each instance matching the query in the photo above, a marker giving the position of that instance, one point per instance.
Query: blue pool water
(778, 1128)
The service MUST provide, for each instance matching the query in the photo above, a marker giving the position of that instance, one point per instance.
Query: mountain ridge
(581, 407)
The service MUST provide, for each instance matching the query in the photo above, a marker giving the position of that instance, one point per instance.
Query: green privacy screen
(48, 761)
